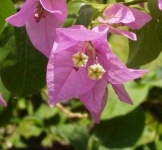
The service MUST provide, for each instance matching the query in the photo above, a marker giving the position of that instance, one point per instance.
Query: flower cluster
(41, 18)
(81, 62)
(119, 15)
(82, 66)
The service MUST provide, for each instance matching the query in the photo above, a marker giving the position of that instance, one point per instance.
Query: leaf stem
(134, 2)
(69, 113)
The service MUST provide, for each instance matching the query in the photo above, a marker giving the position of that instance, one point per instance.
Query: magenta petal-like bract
(128, 34)
(41, 30)
(160, 4)
(59, 7)
(122, 93)
(120, 15)
(42, 34)
(66, 81)
(117, 13)
(24, 14)
(62, 83)
(95, 99)
(2, 101)
(141, 19)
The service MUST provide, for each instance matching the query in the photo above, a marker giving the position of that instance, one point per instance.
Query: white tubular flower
(80, 59)
(96, 71)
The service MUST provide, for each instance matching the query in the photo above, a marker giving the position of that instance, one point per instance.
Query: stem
(65, 110)
(134, 2)
(71, 114)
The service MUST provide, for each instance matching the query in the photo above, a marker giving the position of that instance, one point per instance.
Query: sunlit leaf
(148, 45)
(6, 9)
(30, 127)
(77, 135)
(123, 131)
(154, 9)
(80, 12)
(115, 107)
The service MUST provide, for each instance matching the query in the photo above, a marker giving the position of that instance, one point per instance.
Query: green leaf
(50, 112)
(6, 114)
(154, 9)
(159, 144)
(119, 1)
(6, 9)
(76, 135)
(85, 15)
(158, 31)
(148, 45)
(121, 131)
(74, 7)
(149, 146)
(30, 126)
(23, 68)
(138, 93)
(8, 55)
(80, 12)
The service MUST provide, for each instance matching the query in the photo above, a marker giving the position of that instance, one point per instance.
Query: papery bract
(41, 18)
(2, 101)
(66, 81)
(160, 4)
(120, 15)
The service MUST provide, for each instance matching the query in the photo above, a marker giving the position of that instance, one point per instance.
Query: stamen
(39, 13)
(80, 59)
(92, 52)
(96, 71)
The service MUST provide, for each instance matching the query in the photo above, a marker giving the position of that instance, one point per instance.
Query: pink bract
(41, 18)
(120, 15)
(65, 81)
(2, 101)
(160, 4)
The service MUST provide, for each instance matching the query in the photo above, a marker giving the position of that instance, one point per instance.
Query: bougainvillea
(65, 73)
(82, 66)
(41, 19)
(117, 15)
(160, 4)
(2, 101)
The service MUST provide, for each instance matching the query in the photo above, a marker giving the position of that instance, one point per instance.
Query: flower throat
(80, 59)
(39, 13)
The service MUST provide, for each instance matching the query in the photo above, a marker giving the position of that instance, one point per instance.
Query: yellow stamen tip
(80, 59)
(96, 71)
